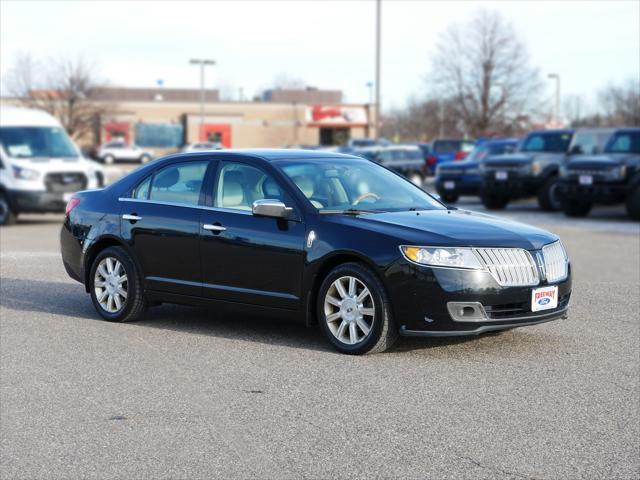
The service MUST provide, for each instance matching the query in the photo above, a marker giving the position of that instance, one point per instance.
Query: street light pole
(378, 31)
(556, 113)
(370, 109)
(202, 62)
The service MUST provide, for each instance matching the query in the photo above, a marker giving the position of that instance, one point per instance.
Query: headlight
(442, 257)
(25, 173)
(536, 168)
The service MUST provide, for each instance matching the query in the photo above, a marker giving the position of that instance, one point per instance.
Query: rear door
(247, 258)
(161, 220)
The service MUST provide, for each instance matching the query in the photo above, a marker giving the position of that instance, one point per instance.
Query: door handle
(214, 228)
(131, 217)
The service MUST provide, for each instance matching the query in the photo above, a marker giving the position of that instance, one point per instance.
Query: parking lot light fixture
(202, 62)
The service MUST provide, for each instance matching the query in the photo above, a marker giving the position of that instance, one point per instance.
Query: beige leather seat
(306, 186)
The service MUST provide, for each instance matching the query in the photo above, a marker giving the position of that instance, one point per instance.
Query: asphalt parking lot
(194, 393)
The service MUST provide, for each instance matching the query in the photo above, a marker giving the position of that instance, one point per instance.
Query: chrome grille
(510, 267)
(555, 262)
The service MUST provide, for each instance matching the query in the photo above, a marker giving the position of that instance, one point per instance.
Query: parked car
(40, 167)
(445, 150)
(329, 239)
(202, 147)
(610, 178)
(407, 160)
(117, 151)
(454, 179)
(533, 170)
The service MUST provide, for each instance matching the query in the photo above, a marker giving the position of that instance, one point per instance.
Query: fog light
(467, 312)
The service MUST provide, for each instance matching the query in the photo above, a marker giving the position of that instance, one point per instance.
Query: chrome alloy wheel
(110, 284)
(349, 310)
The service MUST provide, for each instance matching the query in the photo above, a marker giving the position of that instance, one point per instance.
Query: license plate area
(585, 180)
(544, 298)
(449, 185)
(502, 175)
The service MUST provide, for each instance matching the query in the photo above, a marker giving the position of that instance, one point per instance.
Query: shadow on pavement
(69, 300)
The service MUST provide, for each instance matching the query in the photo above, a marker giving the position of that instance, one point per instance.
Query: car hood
(508, 160)
(452, 228)
(604, 161)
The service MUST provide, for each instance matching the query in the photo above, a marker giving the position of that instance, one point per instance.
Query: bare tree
(484, 67)
(621, 103)
(65, 88)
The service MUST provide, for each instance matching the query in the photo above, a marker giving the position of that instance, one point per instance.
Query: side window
(180, 183)
(142, 190)
(239, 185)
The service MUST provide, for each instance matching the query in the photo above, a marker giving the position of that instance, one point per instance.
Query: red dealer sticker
(544, 298)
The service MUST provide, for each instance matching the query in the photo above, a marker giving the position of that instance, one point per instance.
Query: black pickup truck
(533, 170)
(610, 178)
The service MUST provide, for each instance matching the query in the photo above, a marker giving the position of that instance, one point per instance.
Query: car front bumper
(514, 186)
(29, 201)
(462, 185)
(419, 297)
(599, 191)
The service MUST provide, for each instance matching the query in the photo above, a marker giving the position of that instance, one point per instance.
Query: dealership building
(164, 119)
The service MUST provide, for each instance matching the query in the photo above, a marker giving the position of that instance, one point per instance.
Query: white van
(40, 167)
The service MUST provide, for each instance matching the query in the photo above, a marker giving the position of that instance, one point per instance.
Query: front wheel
(109, 159)
(354, 312)
(548, 195)
(633, 203)
(7, 215)
(115, 286)
(576, 208)
(493, 201)
(144, 158)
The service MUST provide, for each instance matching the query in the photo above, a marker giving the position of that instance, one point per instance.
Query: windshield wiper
(351, 211)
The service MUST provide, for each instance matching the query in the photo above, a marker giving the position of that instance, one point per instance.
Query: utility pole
(378, 31)
(556, 112)
(202, 62)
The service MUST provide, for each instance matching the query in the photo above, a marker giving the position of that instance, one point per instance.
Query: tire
(134, 304)
(633, 203)
(109, 159)
(416, 178)
(494, 202)
(449, 197)
(547, 195)
(144, 158)
(374, 311)
(7, 215)
(576, 207)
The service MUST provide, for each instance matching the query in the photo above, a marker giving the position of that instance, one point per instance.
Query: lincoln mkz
(329, 239)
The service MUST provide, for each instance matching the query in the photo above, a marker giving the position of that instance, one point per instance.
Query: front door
(247, 258)
(161, 221)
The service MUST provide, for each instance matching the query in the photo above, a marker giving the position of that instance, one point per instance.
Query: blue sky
(329, 44)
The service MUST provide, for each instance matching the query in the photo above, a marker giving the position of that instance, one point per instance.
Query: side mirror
(271, 208)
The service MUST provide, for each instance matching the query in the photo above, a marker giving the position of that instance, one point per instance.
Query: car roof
(26, 117)
(551, 131)
(271, 154)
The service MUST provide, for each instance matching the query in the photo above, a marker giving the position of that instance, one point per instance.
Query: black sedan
(330, 239)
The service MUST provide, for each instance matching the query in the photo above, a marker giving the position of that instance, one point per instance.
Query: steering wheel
(365, 195)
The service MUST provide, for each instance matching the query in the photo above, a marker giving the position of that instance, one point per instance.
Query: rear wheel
(109, 159)
(144, 158)
(115, 286)
(7, 215)
(449, 197)
(576, 208)
(633, 203)
(548, 199)
(494, 201)
(354, 311)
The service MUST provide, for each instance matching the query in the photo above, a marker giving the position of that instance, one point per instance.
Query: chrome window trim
(185, 205)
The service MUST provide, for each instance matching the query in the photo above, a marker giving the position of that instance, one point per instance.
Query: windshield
(446, 146)
(482, 151)
(363, 142)
(557, 142)
(337, 185)
(624, 142)
(37, 142)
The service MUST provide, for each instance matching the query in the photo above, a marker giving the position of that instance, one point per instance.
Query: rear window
(446, 146)
(557, 142)
(624, 142)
